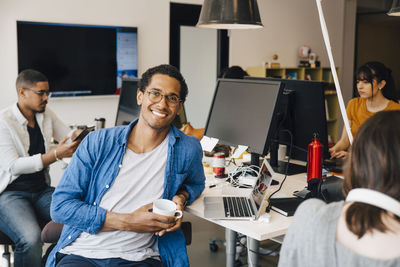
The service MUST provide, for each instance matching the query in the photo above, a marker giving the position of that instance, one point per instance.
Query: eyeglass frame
(162, 96)
(40, 93)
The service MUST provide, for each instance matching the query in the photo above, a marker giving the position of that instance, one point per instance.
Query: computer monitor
(128, 109)
(301, 110)
(78, 59)
(241, 113)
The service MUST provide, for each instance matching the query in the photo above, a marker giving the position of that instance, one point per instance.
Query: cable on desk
(242, 171)
(286, 170)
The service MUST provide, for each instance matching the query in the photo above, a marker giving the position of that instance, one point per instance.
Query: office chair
(6, 242)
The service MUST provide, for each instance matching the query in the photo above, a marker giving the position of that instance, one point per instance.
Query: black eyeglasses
(156, 97)
(40, 93)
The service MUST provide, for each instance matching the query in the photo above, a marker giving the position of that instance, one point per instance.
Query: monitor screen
(128, 109)
(78, 59)
(304, 102)
(241, 113)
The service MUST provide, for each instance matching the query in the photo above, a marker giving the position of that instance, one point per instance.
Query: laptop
(234, 207)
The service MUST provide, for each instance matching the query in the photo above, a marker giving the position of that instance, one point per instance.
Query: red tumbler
(314, 159)
(219, 165)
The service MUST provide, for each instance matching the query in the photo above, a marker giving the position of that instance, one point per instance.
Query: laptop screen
(263, 184)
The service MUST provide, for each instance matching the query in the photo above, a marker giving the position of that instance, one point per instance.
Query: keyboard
(238, 207)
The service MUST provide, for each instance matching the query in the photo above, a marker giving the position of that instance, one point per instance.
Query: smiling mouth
(159, 114)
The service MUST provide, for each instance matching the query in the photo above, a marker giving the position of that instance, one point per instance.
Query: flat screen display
(307, 115)
(78, 59)
(241, 113)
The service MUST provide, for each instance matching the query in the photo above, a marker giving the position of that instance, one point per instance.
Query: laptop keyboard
(238, 207)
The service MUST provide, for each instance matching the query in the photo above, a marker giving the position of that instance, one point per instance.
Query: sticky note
(208, 143)
(239, 151)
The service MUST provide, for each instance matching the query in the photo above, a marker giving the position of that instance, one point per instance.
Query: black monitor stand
(255, 159)
(280, 166)
(284, 123)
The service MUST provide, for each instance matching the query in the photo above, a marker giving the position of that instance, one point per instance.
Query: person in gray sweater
(363, 230)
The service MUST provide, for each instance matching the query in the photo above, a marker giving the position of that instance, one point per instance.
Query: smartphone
(84, 132)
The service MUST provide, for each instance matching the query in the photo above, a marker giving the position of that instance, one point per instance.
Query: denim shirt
(92, 171)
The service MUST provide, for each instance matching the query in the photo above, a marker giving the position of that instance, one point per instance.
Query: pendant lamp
(230, 14)
(395, 10)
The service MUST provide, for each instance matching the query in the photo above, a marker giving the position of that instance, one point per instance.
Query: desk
(254, 230)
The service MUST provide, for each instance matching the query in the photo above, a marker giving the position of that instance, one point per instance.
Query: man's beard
(44, 108)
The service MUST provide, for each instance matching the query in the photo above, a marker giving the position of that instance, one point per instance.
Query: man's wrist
(114, 221)
(55, 155)
(184, 197)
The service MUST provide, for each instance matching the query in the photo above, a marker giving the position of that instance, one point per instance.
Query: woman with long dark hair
(377, 93)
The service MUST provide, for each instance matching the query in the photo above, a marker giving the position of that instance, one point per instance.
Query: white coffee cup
(281, 152)
(166, 207)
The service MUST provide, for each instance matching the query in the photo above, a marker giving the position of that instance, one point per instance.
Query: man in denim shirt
(105, 195)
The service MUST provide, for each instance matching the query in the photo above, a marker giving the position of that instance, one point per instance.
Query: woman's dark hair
(165, 69)
(376, 70)
(234, 72)
(374, 164)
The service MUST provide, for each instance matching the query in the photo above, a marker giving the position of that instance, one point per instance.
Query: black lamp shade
(395, 10)
(230, 14)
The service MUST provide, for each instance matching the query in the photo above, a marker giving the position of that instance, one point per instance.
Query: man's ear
(139, 97)
(20, 92)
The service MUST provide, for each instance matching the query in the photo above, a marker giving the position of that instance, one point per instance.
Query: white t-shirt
(140, 181)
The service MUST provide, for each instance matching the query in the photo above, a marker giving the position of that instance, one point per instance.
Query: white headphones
(374, 198)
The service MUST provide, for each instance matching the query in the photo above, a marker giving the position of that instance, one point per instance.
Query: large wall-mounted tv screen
(79, 59)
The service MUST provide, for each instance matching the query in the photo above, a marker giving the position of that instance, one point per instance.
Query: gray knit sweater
(310, 240)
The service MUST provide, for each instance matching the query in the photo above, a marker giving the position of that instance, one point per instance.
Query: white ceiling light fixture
(230, 14)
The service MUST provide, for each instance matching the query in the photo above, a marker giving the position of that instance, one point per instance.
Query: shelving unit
(323, 74)
(333, 111)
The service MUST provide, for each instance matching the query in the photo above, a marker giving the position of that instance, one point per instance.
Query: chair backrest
(51, 232)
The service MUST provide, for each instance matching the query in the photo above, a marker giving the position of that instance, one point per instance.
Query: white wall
(199, 70)
(288, 25)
